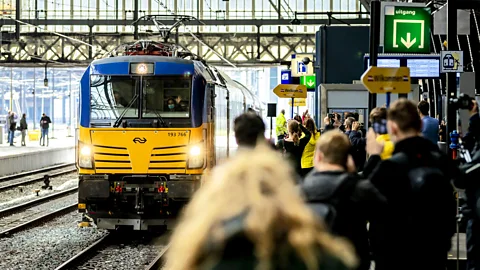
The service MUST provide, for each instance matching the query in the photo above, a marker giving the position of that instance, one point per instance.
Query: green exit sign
(406, 28)
(308, 81)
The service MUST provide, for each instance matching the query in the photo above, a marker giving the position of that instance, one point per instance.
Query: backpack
(432, 200)
(328, 208)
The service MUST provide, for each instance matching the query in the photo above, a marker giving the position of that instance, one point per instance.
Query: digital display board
(386, 63)
(421, 66)
(424, 68)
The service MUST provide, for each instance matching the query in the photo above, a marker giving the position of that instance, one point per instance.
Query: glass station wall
(23, 90)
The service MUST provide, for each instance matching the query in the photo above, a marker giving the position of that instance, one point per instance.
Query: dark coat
(401, 239)
(363, 203)
(358, 148)
(238, 253)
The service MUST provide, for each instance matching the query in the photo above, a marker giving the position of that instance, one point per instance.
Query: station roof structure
(245, 32)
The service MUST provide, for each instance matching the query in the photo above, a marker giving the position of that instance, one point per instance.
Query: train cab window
(112, 96)
(169, 96)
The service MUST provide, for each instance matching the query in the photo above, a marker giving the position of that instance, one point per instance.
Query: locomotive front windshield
(114, 97)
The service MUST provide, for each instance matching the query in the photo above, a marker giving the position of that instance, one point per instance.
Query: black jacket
(295, 152)
(238, 252)
(362, 203)
(473, 134)
(399, 240)
(358, 148)
(45, 122)
(23, 124)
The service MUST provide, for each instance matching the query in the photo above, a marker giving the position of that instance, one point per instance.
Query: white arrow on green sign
(406, 28)
(308, 81)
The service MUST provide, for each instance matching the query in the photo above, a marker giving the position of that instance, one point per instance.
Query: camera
(463, 102)
(332, 118)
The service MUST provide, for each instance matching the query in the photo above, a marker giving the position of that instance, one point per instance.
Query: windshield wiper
(159, 117)
(120, 118)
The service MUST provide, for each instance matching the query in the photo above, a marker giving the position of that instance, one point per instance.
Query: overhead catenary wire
(208, 47)
(200, 41)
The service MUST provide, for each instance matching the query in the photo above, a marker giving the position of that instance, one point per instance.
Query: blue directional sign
(286, 76)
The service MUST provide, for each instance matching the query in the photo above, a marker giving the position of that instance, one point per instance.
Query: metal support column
(258, 42)
(135, 18)
(52, 103)
(374, 43)
(90, 41)
(451, 90)
(34, 99)
(17, 17)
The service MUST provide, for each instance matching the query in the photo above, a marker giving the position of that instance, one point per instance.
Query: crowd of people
(343, 198)
(12, 126)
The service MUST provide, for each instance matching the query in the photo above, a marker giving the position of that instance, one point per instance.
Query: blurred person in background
(295, 144)
(309, 151)
(442, 131)
(339, 196)
(281, 125)
(249, 129)
(358, 142)
(23, 128)
(378, 118)
(430, 125)
(263, 224)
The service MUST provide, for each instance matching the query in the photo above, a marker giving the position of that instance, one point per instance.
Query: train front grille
(112, 159)
(168, 159)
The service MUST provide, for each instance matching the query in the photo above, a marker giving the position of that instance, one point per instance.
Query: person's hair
(335, 147)
(298, 118)
(349, 121)
(404, 113)
(294, 129)
(248, 128)
(378, 114)
(24, 115)
(171, 99)
(338, 116)
(423, 107)
(310, 125)
(282, 111)
(263, 197)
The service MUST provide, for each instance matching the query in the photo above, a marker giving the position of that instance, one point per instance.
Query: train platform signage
(405, 27)
(290, 91)
(381, 80)
(286, 76)
(298, 68)
(308, 81)
(451, 61)
(298, 102)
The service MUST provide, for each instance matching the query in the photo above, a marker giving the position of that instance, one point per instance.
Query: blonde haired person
(250, 217)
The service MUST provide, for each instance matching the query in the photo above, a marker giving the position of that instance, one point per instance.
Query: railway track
(22, 174)
(25, 178)
(37, 211)
(110, 250)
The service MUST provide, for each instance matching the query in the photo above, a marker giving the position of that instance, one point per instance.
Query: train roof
(141, 58)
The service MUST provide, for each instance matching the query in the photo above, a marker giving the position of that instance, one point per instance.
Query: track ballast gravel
(47, 246)
(14, 197)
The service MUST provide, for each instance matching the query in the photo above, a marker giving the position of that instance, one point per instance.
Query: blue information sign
(286, 77)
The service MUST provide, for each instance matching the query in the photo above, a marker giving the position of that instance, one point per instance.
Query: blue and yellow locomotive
(151, 123)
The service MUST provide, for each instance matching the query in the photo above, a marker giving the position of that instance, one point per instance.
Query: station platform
(462, 253)
(16, 159)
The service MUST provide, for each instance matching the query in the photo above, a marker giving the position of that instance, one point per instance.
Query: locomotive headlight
(196, 156)
(142, 69)
(85, 157)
